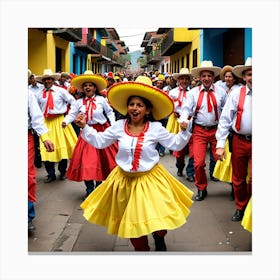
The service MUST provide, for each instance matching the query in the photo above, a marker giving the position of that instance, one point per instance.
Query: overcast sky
(133, 37)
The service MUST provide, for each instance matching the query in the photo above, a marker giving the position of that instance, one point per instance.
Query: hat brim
(196, 71)
(41, 78)
(176, 76)
(99, 81)
(239, 69)
(118, 95)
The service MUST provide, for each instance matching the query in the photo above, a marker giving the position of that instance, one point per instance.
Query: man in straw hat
(237, 115)
(178, 94)
(204, 104)
(53, 101)
(139, 197)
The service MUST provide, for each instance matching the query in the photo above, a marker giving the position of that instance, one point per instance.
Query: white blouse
(96, 116)
(137, 153)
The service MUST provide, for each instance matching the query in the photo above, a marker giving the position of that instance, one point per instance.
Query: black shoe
(62, 177)
(238, 215)
(201, 195)
(159, 242)
(180, 173)
(31, 227)
(190, 178)
(214, 179)
(50, 179)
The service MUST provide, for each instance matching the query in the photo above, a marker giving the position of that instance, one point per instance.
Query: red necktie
(182, 94)
(49, 104)
(209, 105)
(240, 107)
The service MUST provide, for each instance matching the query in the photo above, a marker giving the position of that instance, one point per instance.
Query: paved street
(60, 226)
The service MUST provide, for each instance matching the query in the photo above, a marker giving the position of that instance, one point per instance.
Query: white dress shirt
(203, 117)
(61, 97)
(35, 115)
(228, 117)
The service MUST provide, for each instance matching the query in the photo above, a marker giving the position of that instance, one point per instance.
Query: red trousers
(201, 139)
(141, 243)
(241, 156)
(32, 184)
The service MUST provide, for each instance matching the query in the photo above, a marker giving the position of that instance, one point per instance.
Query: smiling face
(229, 79)
(89, 89)
(247, 78)
(184, 81)
(207, 78)
(137, 109)
(48, 82)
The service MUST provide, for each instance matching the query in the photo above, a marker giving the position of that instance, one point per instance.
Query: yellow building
(46, 50)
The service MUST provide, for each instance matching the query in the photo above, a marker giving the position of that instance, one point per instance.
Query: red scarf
(182, 94)
(50, 103)
(90, 105)
(210, 95)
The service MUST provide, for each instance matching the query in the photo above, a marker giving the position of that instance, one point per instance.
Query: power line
(131, 35)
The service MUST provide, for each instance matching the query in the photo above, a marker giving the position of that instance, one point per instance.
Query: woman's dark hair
(148, 105)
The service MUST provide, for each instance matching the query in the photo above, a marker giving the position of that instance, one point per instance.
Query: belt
(207, 127)
(52, 116)
(247, 137)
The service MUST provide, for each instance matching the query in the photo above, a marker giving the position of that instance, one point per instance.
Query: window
(194, 63)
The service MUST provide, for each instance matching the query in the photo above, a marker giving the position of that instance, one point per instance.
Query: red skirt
(89, 163)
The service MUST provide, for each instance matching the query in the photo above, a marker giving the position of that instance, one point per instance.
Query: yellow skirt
(172, 125)
(247, 218)
(131, 205)
(64, 140)
(223, 169)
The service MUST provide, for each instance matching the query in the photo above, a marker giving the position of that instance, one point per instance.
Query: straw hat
(239, 69)
(65, 74)
(47, 73)
(226, 68)
(119, 93)
(206, 65)
(89, 77)
(160, 77)
(183, 72)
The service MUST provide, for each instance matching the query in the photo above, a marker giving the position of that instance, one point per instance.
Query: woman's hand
(80, 120)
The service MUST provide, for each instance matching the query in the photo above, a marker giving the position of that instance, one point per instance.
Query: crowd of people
(110, 130)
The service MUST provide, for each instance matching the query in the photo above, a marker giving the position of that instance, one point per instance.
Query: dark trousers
(141, 243)
(50, 167)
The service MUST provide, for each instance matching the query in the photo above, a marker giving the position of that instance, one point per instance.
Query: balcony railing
(69, 34)
(154, 57)
(170, 46)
